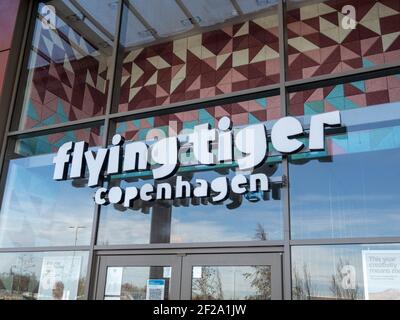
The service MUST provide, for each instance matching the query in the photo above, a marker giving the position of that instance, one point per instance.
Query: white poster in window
(381, 270)
(114, 281)
(59, 278)
(155, 289)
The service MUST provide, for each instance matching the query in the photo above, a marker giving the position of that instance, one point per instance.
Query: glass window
(43, 276)
(138, 283)
(159, 70)
(68, 71)
(350, 189)
(251, 217)
(231, 283)
(346, 272)
(321, 40)
(36, 210)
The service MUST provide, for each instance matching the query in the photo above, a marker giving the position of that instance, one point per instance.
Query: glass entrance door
(255, 276)
(250, 276)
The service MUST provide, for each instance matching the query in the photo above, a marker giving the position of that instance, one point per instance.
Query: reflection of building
(83, 70)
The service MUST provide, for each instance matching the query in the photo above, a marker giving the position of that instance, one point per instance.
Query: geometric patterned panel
(68, 77)
(352, 95)
(318, 45)
(234, 58)
(51, 143)
(241, 113)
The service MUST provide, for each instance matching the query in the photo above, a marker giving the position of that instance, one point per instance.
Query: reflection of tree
(337, 287)
(260, 279)
(302, 285)
(209, 286)
(303, 289)
(132, 292)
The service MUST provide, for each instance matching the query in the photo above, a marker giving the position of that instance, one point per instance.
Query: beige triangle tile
(301, 44)
(240, 58)
(387, 39)
(308, 12)
(385, 11)
(152, 80)
(372, 14)
(323, 8)
(373, 25)
(243, 30)
(221, 59)
(325, 24)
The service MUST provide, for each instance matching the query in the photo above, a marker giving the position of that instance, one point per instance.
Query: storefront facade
(86, 71)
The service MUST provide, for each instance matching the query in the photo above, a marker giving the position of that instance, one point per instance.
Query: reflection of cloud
(350, 222)
(202, 231)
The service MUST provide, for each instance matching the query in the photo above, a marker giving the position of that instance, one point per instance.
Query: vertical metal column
(287, 279)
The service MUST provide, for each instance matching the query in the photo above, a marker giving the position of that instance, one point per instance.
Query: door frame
(180, 259)
(231, 259)
(172, 261)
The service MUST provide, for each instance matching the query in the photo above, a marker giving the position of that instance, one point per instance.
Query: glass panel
(68, 72)
(43, 276)
(138, 283)
(346, 272)
(322, 41)
(209, 12)
(38, 211)
(251, 217)
(350, 189)
(231, 283)
(238, 55)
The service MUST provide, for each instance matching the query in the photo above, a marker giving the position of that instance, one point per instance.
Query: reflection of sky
(202, 223)
(355, 195)
(37, 211)
(322, 263)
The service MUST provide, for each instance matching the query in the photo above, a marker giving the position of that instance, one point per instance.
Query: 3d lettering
(209, 147)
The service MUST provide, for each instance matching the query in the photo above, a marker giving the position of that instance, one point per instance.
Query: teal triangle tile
(360, 85)
(337, 103)
(60, 111)
(205, 116)
(49, 121)
(337, 91)
(350, 104)
(190, 124)
(253, 119)
(313, 107)
(121, 128)
(32, 113)
(367, 63)
(136, 123)
(151, 121)
(263, 102)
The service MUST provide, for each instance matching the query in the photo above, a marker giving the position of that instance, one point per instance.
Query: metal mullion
(142, 20)
(44, 249)
(187, 13)
(92, 262)
(287, 280)
(270, 90)
(237, 7)
(345, 241)
(343, 75)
